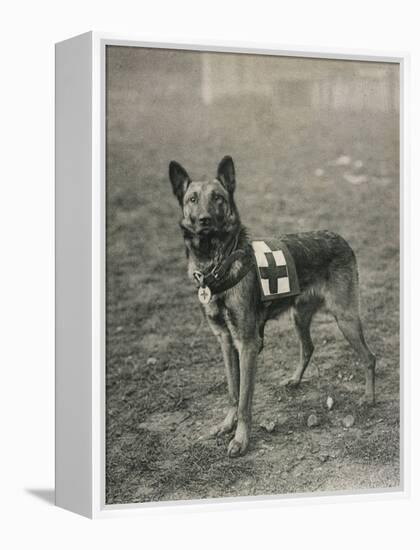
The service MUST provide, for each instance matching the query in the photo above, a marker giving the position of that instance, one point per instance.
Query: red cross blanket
(276, 269)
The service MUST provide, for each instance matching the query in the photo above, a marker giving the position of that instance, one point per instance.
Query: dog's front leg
(248, 352)
(231, 360)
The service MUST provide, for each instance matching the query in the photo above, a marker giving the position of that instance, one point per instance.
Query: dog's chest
(220, 316)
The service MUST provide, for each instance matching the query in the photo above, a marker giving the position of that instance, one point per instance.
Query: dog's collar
(216, 278)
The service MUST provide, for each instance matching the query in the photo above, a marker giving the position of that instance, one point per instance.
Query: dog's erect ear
(179, 179)
(226, 173)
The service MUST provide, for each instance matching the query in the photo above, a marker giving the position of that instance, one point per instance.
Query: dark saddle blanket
(276, 269)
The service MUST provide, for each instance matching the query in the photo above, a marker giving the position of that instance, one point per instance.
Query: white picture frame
(80, 273)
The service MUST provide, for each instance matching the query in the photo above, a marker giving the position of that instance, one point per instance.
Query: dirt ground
(165, 375)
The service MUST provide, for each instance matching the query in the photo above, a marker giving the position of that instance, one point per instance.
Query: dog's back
(326, 268)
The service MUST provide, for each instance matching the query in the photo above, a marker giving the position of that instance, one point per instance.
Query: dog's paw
(368, 400)
(221, 429)
(227, 426)
(291, 383)
(238, 445)
(235, 448)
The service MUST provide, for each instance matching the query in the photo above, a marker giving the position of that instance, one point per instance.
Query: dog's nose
(204, 220)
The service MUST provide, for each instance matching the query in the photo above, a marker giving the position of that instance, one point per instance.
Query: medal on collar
(204, 293)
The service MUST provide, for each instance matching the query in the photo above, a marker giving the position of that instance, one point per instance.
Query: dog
(221, 265)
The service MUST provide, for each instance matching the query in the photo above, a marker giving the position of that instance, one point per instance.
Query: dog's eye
(218, 198)
(193, 198)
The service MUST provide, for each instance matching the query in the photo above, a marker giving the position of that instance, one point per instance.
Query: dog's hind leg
(351, 326)
(344, 305)
(302, 314)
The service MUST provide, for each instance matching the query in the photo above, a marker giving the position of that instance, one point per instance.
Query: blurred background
(284, 81)
(316, 145)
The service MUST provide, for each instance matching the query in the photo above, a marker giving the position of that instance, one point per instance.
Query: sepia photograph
(252, 275)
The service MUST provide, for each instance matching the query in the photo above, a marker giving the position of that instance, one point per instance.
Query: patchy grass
(164, 373)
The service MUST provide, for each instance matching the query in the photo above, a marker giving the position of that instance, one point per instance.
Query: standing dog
(220, 262)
